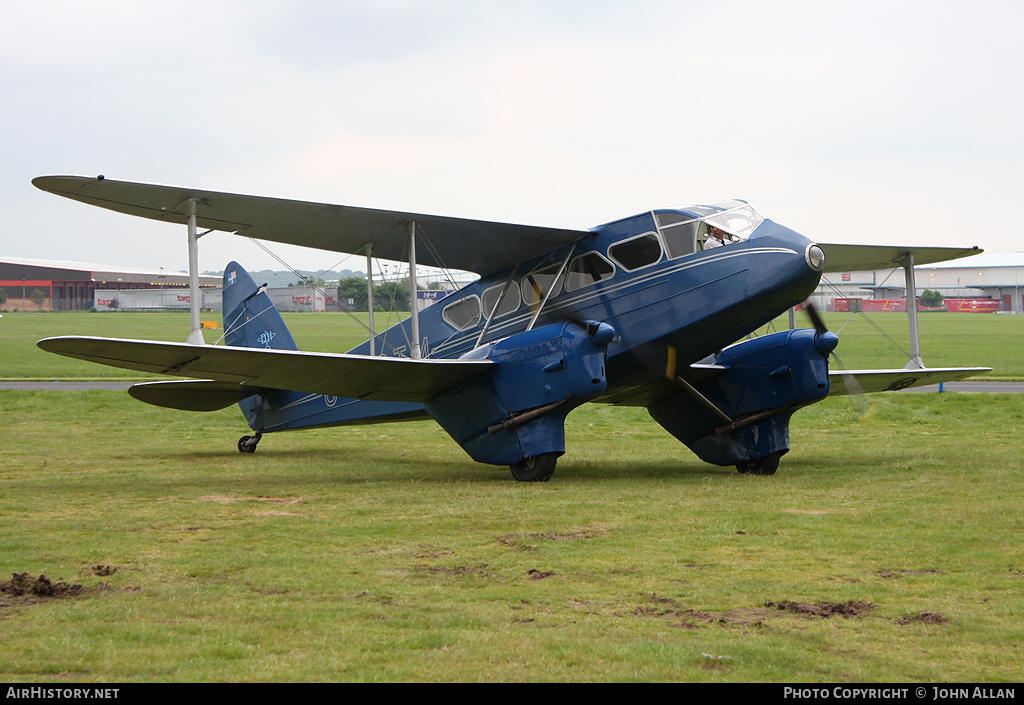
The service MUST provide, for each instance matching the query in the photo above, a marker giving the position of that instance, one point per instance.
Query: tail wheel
(762, 466)
(247, 444)
(539, 468)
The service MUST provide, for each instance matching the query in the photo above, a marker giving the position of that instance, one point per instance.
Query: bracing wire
(312, 284)
(835, 289)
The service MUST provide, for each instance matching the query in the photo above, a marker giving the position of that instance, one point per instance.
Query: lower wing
(353, 376)
(868, 381)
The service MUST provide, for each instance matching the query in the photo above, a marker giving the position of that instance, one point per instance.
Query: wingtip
(51, 182)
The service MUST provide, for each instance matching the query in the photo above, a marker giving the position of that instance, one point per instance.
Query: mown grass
(947, 339)
(383, 553)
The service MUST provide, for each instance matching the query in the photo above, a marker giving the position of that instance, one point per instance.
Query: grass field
(887, 548)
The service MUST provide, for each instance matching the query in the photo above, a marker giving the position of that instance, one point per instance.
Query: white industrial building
(995, 276)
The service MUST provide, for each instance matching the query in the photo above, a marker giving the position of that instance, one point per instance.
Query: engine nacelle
(765, 381)
(518, 411)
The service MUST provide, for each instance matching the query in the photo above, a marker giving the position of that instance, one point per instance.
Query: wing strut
(557, 280)
(195, 337)
(915, 362)
(369, 295)
(410, 229)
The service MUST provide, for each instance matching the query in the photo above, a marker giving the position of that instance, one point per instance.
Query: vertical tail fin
(250, 318)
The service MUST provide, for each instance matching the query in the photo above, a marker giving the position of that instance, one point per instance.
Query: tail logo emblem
(265, 338)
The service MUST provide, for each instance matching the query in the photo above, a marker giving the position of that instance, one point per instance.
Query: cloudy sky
(876, 122)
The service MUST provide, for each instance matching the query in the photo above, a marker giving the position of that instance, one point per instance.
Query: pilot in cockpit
(716, 238)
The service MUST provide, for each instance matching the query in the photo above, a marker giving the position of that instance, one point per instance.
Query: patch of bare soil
(23, 584)
(521, 540)
(887, 573)
(674, 614)
(222, 499)
(480, 570)
(923, 618)
(24, 589)
(824, 610)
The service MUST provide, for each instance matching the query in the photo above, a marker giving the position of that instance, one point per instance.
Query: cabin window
(509, 304)
(586, 270)
(637, 252)
(462, 314)
(679, 232)
(535, 285)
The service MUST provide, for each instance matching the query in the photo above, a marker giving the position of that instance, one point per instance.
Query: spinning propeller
(826, 336)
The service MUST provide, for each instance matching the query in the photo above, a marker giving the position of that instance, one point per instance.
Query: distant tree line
(387, 296)
(931, 299)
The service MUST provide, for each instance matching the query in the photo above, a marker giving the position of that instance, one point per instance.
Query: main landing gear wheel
(247, 444)
(539, 468)
(762, 466)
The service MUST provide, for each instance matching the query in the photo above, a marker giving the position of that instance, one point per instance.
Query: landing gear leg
(247, 444)
(539, 468)
(762, 466)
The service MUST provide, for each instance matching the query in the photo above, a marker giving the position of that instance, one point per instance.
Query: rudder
(250, 318)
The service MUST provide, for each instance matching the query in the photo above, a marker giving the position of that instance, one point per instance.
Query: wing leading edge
(353, 376)
(870, 381)
(459, 243)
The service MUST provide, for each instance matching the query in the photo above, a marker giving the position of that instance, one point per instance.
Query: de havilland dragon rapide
(653, 310)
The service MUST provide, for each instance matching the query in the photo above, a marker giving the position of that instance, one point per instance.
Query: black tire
(244, 446)
(762, 466)
(539, 468)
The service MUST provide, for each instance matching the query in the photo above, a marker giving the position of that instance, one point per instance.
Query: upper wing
(858, 258)
(472, 245)
(354, 376)
(868, 381)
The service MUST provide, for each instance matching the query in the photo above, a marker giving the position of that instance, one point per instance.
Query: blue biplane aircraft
(643, 311)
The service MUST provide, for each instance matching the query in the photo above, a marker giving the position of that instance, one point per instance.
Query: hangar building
(996, 277)
(71, 286)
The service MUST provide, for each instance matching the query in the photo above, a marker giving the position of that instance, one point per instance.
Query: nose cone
(825, 343)
(601, 334)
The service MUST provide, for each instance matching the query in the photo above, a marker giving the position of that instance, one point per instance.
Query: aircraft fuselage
(655, 288)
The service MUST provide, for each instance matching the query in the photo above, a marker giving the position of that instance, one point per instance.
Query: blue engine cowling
(765, 381)
(518, 411)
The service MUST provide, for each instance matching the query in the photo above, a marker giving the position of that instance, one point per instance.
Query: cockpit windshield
(738, 218)
(696, 228)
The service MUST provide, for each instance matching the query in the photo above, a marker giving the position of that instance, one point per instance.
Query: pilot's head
(716, 233)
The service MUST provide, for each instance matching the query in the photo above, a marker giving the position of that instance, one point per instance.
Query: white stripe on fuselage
(511, 325)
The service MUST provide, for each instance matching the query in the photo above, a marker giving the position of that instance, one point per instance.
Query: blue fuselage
(623, 274)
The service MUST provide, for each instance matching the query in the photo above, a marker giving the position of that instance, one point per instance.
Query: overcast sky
(876, 122)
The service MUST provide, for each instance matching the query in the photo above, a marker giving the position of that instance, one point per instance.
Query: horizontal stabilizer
(193, 394)
(871, 381)
(353, 376)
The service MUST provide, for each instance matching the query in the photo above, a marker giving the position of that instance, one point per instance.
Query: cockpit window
(637, 252)
(586, 270)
